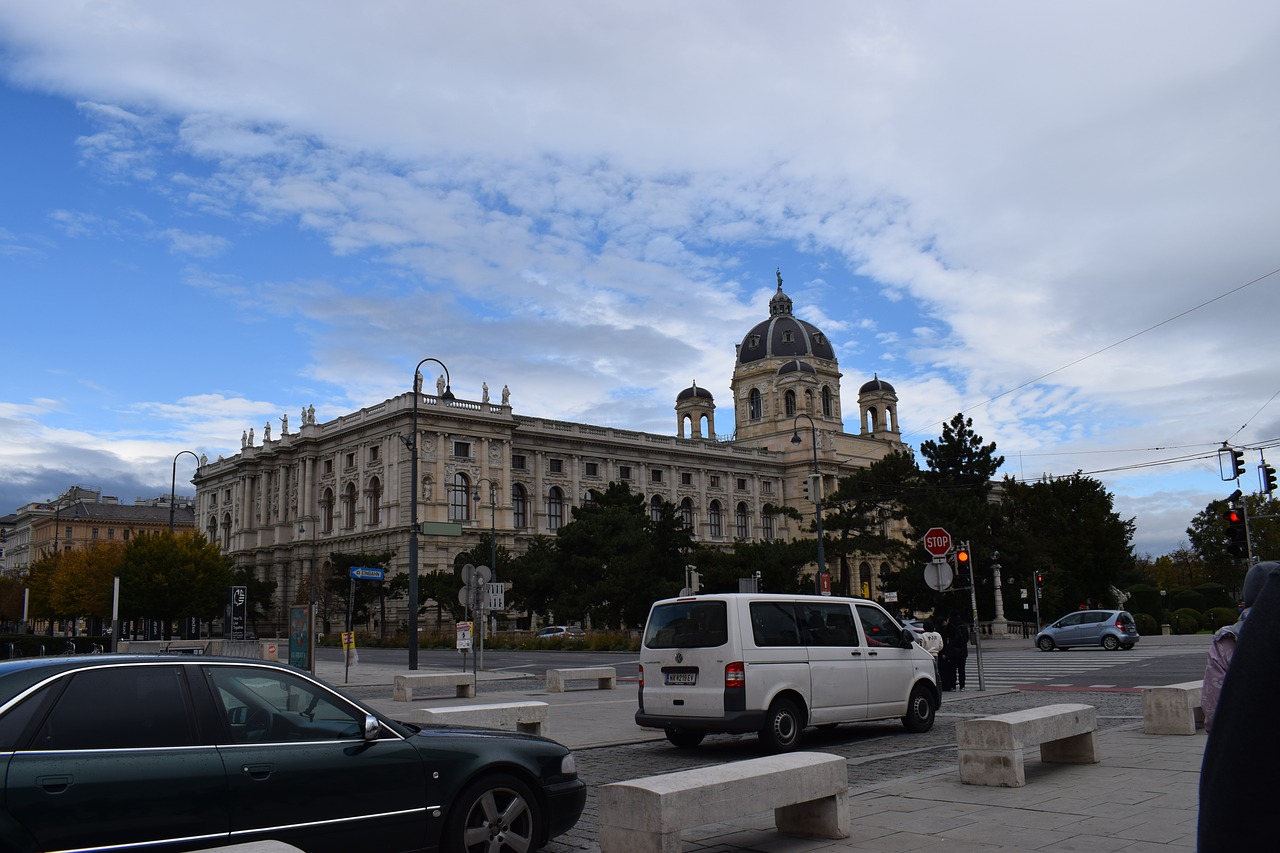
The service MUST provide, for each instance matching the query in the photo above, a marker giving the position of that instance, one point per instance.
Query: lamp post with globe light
(173, 482)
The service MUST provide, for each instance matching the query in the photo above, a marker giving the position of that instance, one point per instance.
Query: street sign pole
(973, 603)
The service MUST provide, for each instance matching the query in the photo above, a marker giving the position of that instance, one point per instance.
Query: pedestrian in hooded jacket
(1224, 642)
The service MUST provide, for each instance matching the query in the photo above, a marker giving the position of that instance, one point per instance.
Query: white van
(774, 664)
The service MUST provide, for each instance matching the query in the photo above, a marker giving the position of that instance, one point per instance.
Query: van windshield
(687, 625)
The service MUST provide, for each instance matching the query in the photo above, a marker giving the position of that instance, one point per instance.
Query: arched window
(373, 497)
(460, 498)
(226, 532)
(808, 400)
(211, 530)
(790, 402)
(766, 522)
(326, 511)
(555, 508)
(827, 410)
(686, 513)
(349, 506)
(755, 407)
(714, 520)
(740, 521)
(519, 507)
(655, 509)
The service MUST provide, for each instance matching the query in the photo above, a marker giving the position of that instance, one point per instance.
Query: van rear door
(684, 653)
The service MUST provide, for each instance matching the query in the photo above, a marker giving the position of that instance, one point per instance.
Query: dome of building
(876, 384)
(784, 335)
(694, 391)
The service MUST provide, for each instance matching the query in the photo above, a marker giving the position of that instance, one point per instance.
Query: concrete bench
(529, 717)
(403, 685)
(1173, 709)
(606, 677)
(808, 791)
(991, 748)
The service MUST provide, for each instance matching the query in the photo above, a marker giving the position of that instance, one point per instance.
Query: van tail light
(735, 675)
(642, 675)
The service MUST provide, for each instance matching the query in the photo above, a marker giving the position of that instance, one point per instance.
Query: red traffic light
(1233, 516)
(962, 556)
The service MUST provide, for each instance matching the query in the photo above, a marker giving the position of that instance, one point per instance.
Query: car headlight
(567, 766)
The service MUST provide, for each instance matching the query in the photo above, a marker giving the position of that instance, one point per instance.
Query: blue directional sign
(364, 573)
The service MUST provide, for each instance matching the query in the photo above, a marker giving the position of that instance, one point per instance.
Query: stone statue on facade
(266, 432)
(250, 437)
(440, 385)
(284, 425)
(506, 396)
(484, 392)
(244, 439)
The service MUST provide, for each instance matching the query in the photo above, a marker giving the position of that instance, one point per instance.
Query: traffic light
(1039, 582)
(1268, 479)
(1237, 533)
(1232, 458)
(813, 487)
(963, 576)
(1237, 463)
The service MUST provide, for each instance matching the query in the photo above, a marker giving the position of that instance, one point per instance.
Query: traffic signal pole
(973, 604)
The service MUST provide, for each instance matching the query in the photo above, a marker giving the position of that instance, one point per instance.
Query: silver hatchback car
(1111, 629)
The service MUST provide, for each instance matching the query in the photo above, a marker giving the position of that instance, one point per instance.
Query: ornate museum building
(345, 485)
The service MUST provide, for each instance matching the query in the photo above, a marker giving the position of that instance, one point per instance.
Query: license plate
(682, 678)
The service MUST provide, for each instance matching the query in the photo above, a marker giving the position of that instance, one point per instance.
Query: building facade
(344, 485)
(80, 517)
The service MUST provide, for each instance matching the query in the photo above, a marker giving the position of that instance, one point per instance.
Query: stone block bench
(529, 717)
(808, 792)
(606, 677)
(1173, 709)
(991, 748)
(402, 686)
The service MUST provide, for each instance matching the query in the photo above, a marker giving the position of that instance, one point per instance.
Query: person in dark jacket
(955, 651)
(1237, 776)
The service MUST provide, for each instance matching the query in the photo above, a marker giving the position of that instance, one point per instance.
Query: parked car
(563, 632)
(775, 664)
(1111, 629)
(915, 626)
(176, 753)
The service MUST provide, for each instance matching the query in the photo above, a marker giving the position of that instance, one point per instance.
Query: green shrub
(1184, 621)
(1215, 595)
(1148, 625)
(1188, 599)
(1215, 617)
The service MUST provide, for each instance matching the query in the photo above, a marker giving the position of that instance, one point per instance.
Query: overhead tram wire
(1111, 346)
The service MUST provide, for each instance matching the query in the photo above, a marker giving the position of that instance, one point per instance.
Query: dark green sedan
(123, 752)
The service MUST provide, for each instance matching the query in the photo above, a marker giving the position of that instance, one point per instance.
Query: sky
(1059, 219)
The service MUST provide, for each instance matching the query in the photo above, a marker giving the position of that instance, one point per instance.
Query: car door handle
(54, 784)
(856, 653)
(872, 654)
(259, 771)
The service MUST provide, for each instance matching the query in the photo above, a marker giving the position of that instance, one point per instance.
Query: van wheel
(1110, 643)
(1045, 643)
(684, 738)
(782, 726)
(919, 716)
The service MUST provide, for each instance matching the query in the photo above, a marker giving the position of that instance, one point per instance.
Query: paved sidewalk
(1141, 798)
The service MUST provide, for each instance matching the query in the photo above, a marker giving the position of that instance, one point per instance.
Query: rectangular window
(655, 476)
(555, 466)
(351, 460)
(624, 472)
(773, 623)
(111, 533)
(742, 484)
(714, 481)
(94, 534)
(328, 469)
(517, 461)
(766, 487)
(125, 537)
(462, 449)
(593, 470)
(686, 478)
(373, 453)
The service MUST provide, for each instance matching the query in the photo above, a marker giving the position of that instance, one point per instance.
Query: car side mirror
(371, 727)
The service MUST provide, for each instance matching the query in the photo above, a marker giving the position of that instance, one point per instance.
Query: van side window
(880, 629)
(829, 625)
(773, 623)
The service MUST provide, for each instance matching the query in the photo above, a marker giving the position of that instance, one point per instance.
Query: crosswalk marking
(1011, 669)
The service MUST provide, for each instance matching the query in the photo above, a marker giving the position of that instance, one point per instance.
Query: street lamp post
(314, 596)
(412, 443)
(815, 497)
(493, 558)
(173, 483)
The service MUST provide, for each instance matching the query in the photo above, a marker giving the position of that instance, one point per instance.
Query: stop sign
(937, 542)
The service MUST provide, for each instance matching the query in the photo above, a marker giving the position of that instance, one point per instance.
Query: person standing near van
(955, 651)
(1225, 640)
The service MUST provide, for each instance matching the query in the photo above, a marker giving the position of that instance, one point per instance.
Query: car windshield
(687, 625)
